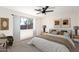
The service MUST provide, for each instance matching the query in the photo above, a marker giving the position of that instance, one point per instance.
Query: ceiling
(30, 9)
(25, 9)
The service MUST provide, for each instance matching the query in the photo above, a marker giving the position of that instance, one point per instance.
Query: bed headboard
(58, 32)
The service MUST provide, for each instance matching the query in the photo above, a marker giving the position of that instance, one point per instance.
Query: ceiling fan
(44, 10)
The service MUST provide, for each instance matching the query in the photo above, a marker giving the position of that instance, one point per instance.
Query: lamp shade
(44, 26)
(76, 27)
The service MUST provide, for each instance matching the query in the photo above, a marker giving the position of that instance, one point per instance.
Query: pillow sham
(67, 37)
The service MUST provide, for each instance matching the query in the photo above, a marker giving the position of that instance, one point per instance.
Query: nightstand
(76, 38)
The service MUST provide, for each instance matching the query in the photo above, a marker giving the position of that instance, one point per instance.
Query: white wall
(4, 12)
(61, 12)
(78, 19)
(7, 14)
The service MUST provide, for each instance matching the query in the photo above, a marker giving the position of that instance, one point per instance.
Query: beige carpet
(22, 46)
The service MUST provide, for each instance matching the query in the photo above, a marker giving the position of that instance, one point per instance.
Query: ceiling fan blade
(38, 13)
(38, 9)
(46, 7)
(50, 11)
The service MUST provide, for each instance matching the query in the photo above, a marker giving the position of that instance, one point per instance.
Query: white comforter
(48, 46)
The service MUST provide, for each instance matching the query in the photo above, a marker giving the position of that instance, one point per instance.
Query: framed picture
(66, 23)
(4, 23)
(57, 23)
(62, 23)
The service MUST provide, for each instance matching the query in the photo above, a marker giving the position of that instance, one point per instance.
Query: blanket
(58, 40)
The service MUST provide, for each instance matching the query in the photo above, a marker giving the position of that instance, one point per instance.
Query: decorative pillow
(54, 32)
(67, 37)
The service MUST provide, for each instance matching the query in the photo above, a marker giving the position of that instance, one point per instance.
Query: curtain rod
(22, 16)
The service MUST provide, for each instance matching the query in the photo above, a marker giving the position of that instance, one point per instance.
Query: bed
(52, 43)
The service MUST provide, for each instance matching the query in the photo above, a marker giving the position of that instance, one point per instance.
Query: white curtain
(16, 27)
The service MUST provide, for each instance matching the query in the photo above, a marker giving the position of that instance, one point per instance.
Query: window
(26, 23)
